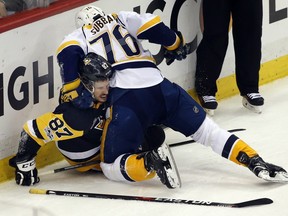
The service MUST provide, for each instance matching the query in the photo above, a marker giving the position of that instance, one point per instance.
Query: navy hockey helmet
(95, 68)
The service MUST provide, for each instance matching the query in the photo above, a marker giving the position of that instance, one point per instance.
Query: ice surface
(205, 175)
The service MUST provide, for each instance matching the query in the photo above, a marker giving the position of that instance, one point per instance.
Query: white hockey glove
(26, 173)
(268, 172)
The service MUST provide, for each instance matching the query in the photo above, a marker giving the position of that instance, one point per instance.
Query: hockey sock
(127, 167)
(241, 146)
(135, 168)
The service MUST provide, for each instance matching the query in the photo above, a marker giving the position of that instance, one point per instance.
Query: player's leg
(122, 138)
(184, 114)
(233, 148)
(189, 119)
(248, 52)
(211, 51)
(154, 136)
(122, 147)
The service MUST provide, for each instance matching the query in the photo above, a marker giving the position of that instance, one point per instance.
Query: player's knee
(154, 137)
(210, 134)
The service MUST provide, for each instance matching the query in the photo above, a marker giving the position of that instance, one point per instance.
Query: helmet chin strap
(89, 85)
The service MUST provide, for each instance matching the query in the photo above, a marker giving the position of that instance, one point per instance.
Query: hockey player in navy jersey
(76, 131)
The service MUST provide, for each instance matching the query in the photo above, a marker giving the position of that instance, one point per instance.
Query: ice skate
(266, 171)
(208, 103)
(161, 160)
(253, 102)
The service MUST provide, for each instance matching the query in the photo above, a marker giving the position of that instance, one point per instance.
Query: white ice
(205, 175)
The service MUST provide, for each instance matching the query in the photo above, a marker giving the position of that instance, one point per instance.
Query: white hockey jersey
(118, 39)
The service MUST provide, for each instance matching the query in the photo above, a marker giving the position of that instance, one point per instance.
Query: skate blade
(172, 172)
(256, 109)
(280, 177)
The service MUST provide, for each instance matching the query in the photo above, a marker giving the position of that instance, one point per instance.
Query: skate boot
(268, 172)
(253, 102)
(161, 160)
(208, 103)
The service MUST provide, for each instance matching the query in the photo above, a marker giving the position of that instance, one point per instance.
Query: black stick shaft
(261, 201)
(76, 166)
(69, 167)
(193, 141)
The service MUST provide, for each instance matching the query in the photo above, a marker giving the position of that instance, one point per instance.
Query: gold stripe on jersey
(107, 122)
(149, 25)
(52, 127)
(135, 169)
(60, 130)
(241, 146)
(97, 105)
(175, 45)
(115, 16)
(88, 26)
(66, 44)
(71, 85)
(133, 59)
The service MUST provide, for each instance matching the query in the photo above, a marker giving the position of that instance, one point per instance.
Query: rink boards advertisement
(30, 78)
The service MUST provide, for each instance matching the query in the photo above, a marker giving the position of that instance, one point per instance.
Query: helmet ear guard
(87, 15)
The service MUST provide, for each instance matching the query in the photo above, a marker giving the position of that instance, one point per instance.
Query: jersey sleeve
(69, 54)
(149, 27)
(64, 123)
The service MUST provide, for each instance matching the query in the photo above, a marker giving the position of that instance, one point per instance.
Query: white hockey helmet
(86, 15)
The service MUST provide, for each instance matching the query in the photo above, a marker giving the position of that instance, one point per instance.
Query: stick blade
(256, 202)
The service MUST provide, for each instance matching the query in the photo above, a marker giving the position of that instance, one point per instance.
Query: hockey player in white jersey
(140, 96)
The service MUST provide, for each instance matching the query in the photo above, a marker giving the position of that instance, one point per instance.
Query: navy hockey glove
(26, 173)
(180, 53)
(84, 100)
(80, 97)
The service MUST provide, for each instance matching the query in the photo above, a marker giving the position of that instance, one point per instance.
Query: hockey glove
(80, 97)
(179, 53)
(268, 172)
(26, 173)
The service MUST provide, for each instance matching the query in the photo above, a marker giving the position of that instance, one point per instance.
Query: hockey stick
(261, 201)
(193, 141)
(69, 167)
(98, 161)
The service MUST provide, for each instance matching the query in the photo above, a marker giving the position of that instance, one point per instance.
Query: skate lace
(254, 95)
(209, 99)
